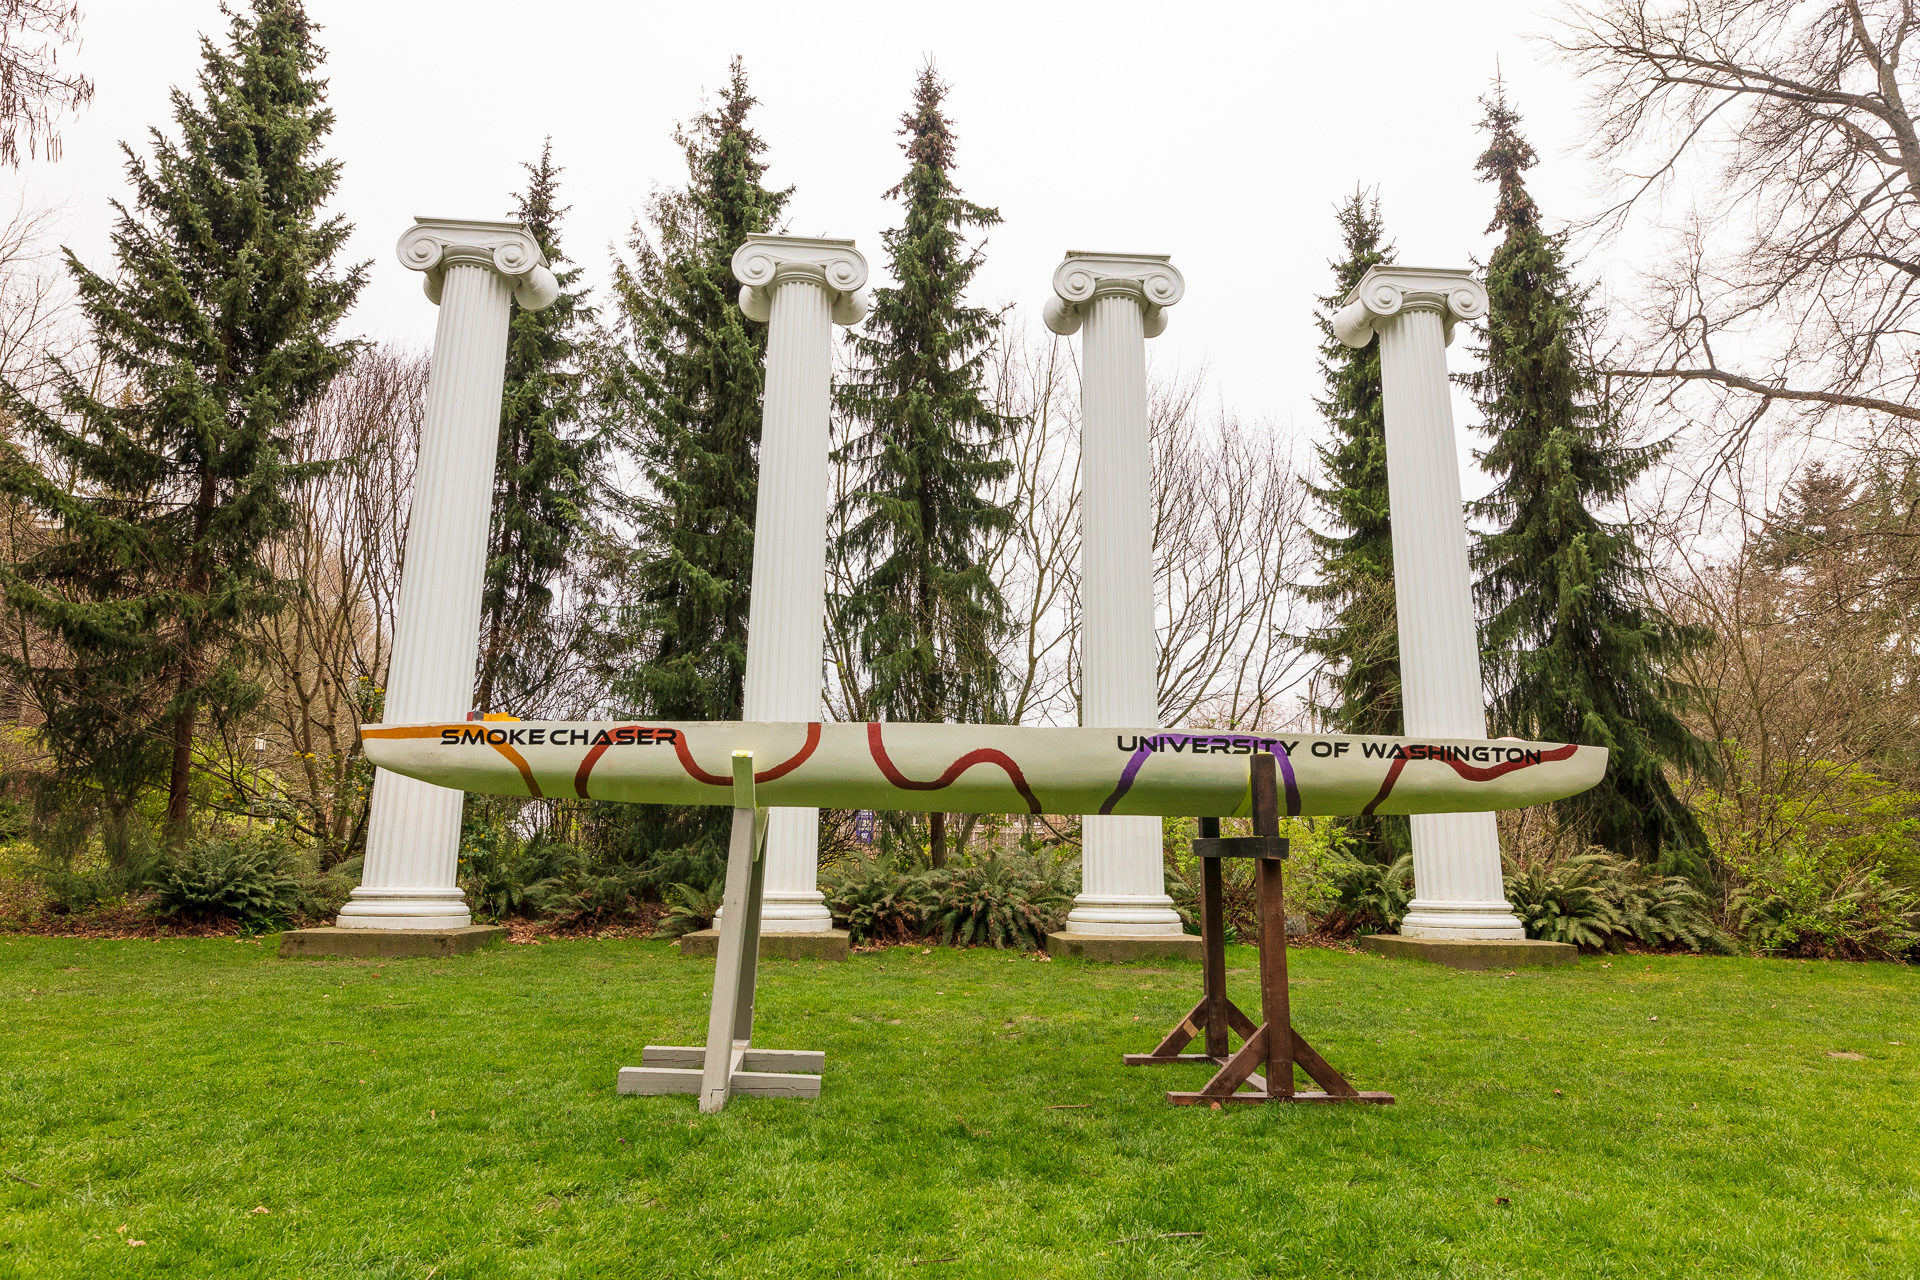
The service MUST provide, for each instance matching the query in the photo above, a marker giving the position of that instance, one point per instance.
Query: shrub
(1665, 911)
(874, 900)
(505, 874)
(1368, 897)
(1319, 851)
(1858, 916)
(253, 879)
(328, 891)
(1598, 901)
(689, 908)
(1007, 901)
(1814, 868)
(1564, 902)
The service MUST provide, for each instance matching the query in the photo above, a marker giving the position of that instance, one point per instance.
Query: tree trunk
(937, 839)
(179, 788)
(483, 696)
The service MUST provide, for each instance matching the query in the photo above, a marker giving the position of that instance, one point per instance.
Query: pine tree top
(1507, 157)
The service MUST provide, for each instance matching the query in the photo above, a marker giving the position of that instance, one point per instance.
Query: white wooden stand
(729, 1064)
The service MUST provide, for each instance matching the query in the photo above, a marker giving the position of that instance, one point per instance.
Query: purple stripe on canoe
(1293, 788)
(1148, 743)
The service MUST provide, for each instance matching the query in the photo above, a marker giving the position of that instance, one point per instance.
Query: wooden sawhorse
(728, 1063)
(1216, 1015)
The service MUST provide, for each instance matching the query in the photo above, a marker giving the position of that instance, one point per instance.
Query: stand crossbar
(1215, 1015)
(729, 1063)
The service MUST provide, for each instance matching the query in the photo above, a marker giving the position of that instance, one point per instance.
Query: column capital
(432, 243)
(1149, 278)
(764, 263)
(1386, 291)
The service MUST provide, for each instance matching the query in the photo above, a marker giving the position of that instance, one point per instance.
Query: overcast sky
(1222, 134)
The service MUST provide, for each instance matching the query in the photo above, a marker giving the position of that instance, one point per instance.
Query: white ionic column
(1119, 298)
(1458, 891)
(474, 270)
(800, 288)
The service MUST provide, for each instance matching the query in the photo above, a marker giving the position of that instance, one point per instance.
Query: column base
(387, 944)
(1460, 954)
(405, 908)
(1145, 915)
(1124, 947)
(796, 912)
(1462, 921)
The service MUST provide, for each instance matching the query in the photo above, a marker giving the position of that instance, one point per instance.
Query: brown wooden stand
(1215, 1014)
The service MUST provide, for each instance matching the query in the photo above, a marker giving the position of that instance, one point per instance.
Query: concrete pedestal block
(1121, 946)
(387, 944)
(1504, 954)
(827, 944)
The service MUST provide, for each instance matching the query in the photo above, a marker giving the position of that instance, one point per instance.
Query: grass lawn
(1638, 1117)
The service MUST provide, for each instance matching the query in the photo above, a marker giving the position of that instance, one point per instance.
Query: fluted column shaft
(1122, 883)
(1118, 648)
(1116, 300)
(1458, 887)
(786, 620)
(475, 271)
(413, 833)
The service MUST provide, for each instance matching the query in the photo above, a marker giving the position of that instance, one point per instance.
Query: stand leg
(728, 1063)
(1274, 1043)
(739, 943)
(1214, 945)
(1274, 1011)
(750, 946)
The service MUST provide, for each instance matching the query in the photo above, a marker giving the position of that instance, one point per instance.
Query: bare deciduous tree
(1811, 675)
(1796, 275)
(1227, 546)
(327, 652)
(34, 91)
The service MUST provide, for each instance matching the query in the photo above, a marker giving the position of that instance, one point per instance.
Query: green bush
(1368, 897)
(1318, 856)
(1008, 901)
(875, 900)
(1565, 902)
(254, 879)
(1857, 916)
(1600, 902)
(85, 861)
(1817, 870)
(689, 908)
(329, 890)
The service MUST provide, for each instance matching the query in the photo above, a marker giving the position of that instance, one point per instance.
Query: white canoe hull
(955, 768)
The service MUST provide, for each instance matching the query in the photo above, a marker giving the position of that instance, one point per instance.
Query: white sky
(1222, 134)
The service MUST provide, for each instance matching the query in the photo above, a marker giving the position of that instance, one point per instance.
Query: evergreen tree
(923, 446)
(544, 487)
(691, 381)
(1360, 645)
(1575, 651)
(215, 332)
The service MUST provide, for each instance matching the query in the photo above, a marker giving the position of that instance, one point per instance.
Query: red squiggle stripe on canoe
(986, 755)
(1472, 773)
(695, 772)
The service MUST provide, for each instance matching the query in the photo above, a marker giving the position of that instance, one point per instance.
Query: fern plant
(1858, 916)
(874, 900)
(689, 908)
(254, 880)
(1003, 902)
(1598, 901)
(1566, 902)
(1369, 897)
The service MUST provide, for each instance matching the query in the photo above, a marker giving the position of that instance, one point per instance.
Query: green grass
(457, 1118)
